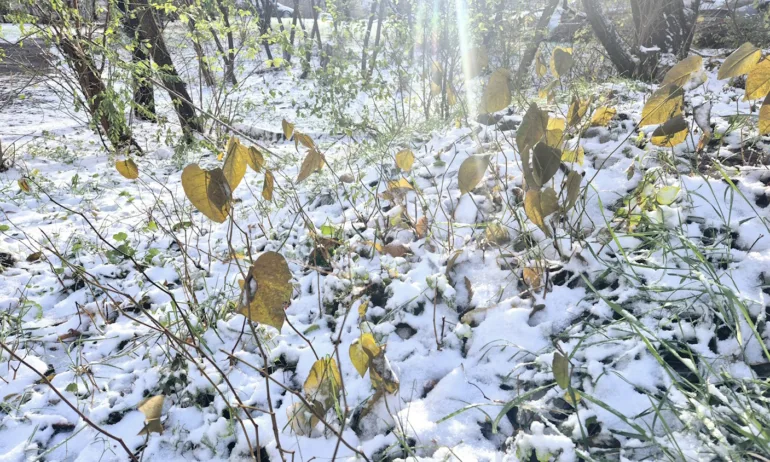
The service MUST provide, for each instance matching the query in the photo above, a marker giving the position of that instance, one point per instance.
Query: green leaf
(560, 368)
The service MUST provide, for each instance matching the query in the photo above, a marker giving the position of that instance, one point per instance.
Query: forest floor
(662, 315)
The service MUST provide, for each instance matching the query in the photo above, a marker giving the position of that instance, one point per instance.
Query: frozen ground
(638, 311)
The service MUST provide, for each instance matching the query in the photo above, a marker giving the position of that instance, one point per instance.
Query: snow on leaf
(602, 116)
(667, 195)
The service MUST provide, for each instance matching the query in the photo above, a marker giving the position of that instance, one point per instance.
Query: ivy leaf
(323, 383)
(471, 172)
(127, 168)
(666, 103)
(208, 191)
(497, 95)
(671, 133)
(405, 160)
(561, 61)
(740, 62)
(758, 81)
(266, 290)
(680, 73)
(560, 368)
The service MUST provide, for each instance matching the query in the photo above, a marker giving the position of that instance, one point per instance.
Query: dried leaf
(396, 250)
(302, 419)
(602, 116)
(758, 81)
(152, 409)
(578, 156)
(127, 168)
(313, 162)
(531, 277)
(208, 191)
(497, 234)
(421, 227)
(255, 159)
(266, 290)
(268, 185)
(740, 62)
(549, 202)
(399, 184)
(469, 288)
(671, 133)
(24, 185)
(573, 189)
(533, 210)
(666, 103)
(560, 368)
(288, 128)
(764, 117)
(323, 383)
(545, 163)
(305, 140)
(577, 110)
(561, 61)
(382, 375)
(680, 73)
(471, 172)
(405, 160)
(497, 95)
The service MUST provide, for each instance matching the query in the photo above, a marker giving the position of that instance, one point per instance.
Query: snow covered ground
(637, 310)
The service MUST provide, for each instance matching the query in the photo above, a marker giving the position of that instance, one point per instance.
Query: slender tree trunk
(623, 60)
(531, 50)
(177, 89)
(380, 17)
(229, 57)
(144, 98)
(372, 16)
(208, 76)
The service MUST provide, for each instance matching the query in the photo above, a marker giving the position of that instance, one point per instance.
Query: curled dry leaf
(266, 290)
(740, 62)
(561, 61)
(405, 160)
(24, 185)
(666, 103)
(305, 140)
(267, 187)
(323, 383)
(421, 227)
(127, 168)
(680, 73)
(313, 162)
(152, 409)
(671, 133)
(396, 250)
(577, 110)
(497, 95)
(255, 159)
(560, 368)
(471, 172)
(208, 191)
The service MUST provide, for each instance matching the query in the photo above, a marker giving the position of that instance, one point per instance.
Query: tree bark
(531, 50)
(621, 58)
(372, 15)
(144, 97)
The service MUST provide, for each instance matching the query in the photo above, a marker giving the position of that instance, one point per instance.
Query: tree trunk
(144, 98)
(372, 15)
(376, 47)
(229, 57)
(531, 50)
(621, 58)
(149, 31)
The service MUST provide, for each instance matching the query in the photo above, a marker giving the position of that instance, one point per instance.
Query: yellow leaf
(680, 73)
(531, 277)
(549, 202)
(267, 187)
(323, 383)
(602, 116)
(421, 227)
(305, 140)
(254, 159)
(401, 183)
(497, 95)
(561, 370)
(208, 191)
(266, 290)
(288, 128)
(568, 397)
(671, 133)
(362, 309)
(405, 160)
(577, 110)
(235, 163)
(152, 409)
(561, 61)
(382, 375)
(497, 234)
(665, 104)
(742, 61)
(361, 352)
(571, 156)
(533, 211)
(127, 168)
(764, 117)
(24, 185)
(667, 195)
(540, 67)
(547, 91)
(758, 81)
(471, 172)
(313, 162)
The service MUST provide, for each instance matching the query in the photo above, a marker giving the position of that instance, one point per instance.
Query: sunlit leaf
(531, 277)
(560, 368)
(497, 95)
(680, 73)
(127, 168)
(313, 162)
(208, 191)
(235, 163)
(152, 409)
(740, 62)
(671, 133)
(758, 81)
(266, 290)
(666, 103)
(545, 163)
(267, 187)
(533, 210)
(574, 156)
(471, 172)
(561, 61)
(577, 110)
(305, 140)
(555, 132)
(362, 350)
(399, 184)
(405, 160)
(667, 195)
(323, 383)
(602, 116)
